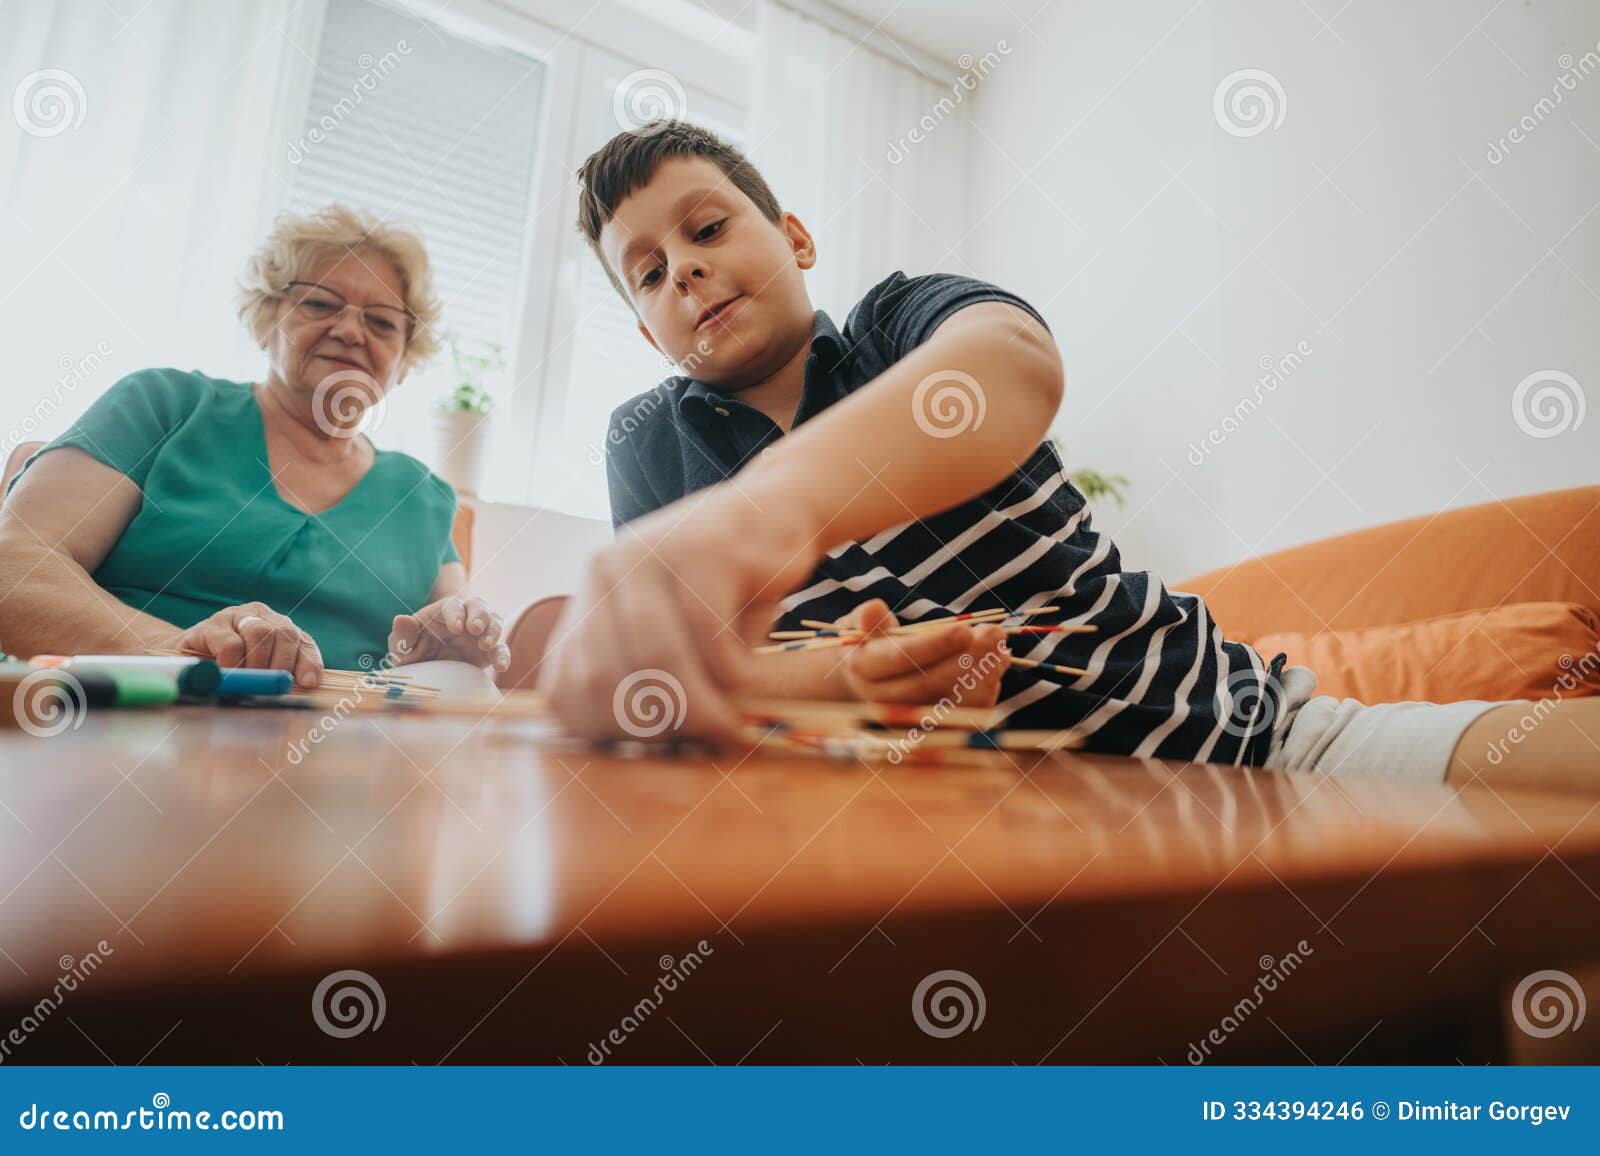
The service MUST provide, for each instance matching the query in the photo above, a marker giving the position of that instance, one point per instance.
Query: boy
(821, 473)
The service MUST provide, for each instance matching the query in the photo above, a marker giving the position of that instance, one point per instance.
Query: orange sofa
(1496, 601)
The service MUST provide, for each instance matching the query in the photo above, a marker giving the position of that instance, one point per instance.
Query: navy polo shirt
(1160, 680)
(684, 435)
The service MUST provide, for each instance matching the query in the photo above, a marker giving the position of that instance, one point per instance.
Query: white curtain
(831, 128)
(136, 153)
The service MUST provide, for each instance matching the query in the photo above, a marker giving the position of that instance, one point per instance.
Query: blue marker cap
(237, 681)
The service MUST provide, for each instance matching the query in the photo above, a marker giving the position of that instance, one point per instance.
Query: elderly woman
(254, 522)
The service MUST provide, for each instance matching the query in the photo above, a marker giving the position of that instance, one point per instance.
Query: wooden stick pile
(393, 685)
(828, 635)
(852, 731)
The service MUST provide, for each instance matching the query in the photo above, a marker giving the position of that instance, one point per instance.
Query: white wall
(1171, 258)
(520, 553)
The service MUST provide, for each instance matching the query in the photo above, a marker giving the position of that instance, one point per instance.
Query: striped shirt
(1160, 680)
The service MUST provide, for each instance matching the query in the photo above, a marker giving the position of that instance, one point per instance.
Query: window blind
(421, 125)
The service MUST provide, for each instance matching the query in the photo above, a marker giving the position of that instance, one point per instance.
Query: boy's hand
(925, 667)
(658, 639)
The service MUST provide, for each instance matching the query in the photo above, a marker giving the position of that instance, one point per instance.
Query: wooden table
(514, 904)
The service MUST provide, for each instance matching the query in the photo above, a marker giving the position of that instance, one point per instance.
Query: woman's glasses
(386, 323)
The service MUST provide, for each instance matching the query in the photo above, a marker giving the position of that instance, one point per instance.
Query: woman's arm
(452, 580)
(56, 527)
(58, 524)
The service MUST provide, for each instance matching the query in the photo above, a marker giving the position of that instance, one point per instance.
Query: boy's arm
(952, 418)
(812, 674)
(693, 585)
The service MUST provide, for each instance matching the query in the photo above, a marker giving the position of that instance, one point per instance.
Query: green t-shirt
(213, 531)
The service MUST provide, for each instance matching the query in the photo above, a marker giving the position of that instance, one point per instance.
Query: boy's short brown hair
(626, 162)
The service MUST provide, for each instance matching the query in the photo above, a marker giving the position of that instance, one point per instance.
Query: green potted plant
(461, 420)
(1092, 484)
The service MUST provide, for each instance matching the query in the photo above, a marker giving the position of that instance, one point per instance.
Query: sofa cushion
(1522, 650)
(1538, 548)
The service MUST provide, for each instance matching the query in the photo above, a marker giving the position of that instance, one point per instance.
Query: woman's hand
(461, 629)
(253, 635)
(960, 661)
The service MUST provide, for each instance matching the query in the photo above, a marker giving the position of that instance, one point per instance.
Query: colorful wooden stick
(1033, 663)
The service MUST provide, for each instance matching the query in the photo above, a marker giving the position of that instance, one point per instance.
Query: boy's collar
(827, 342)
(827, 346)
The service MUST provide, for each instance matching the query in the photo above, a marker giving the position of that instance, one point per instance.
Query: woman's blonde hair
(299, 240)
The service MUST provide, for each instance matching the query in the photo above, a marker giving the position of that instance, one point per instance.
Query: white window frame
(600, 73)
(580, 49)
